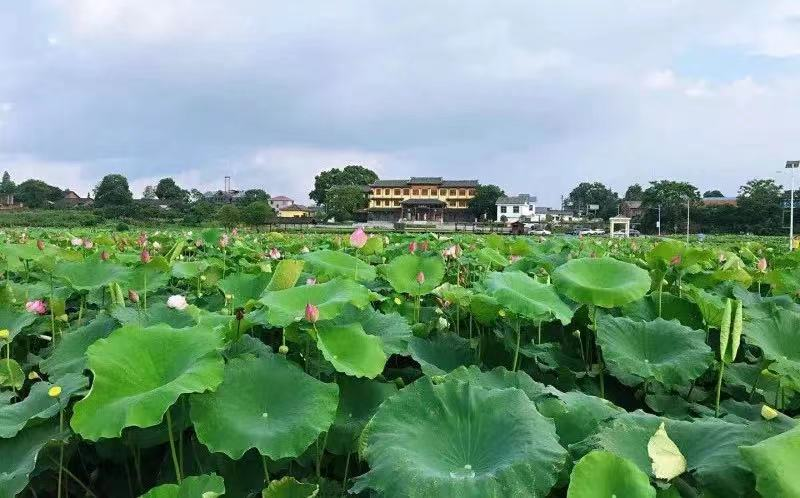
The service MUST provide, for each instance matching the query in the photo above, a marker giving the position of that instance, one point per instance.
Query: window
(516, 209)
(397, 191)
(376, 191)
(442, 191)
(386, 191)
(503, 209)
(415, 191)
(405, 191)
(530, 208)
(462, 193)
(426, 191)
(471, 192)
(452, 191)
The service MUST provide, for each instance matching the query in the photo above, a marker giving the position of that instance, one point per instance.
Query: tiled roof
(295, 207)
(460, 183)
(389, 183)
(517, 199)
(423, 202)
(426, 180)
(280, 198)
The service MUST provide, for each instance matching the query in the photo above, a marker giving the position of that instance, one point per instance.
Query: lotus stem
(76, 479)
(266, 470)
(61, 447)
(144, 295)
(516, 350)
(320, 453)
(719, 388)
(346, 471)
(172, 448)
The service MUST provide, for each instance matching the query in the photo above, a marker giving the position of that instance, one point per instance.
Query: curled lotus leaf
(604, 282)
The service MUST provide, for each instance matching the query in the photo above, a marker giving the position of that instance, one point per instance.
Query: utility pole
(658, 223)
(793, 165)
(688, 203)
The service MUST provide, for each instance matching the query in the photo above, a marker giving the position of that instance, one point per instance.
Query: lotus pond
(180, 364)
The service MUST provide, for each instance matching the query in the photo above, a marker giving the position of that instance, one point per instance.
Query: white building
(512, 209)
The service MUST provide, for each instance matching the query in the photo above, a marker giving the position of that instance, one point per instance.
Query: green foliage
(229, 215)
(168, 190)
(587, 194)
(257, 213)
(342, 201)
(483, 205)
(350, 175)
(112, 191)
(37, 194)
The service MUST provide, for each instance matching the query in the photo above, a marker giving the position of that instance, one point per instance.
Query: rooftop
(517, 199)
(425, 180)
(281, 198)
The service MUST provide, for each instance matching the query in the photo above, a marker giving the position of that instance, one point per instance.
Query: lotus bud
(228, 297)
(40, 244)
(501, 313)
(442, 324)
(203, 278)
(762, 265)
(104, 255)
(412, 247)
(32, 375)
(133, 296)
(311, 281)
(312, 313)
(768, 413)
(234, 232)
(224, 241)
(37, 306)
(722, 257)
(88, 244)
(420, 278)
(239, 313)
(274, 253)
(676, 260)
(283, 349)
(54, 391)
(424, 246)
(358, 238)
(4, 334)
(398, 301)
(198, 243)
(142, 239)
(305, 250)
(576, 334)
(145, 256)
(76, 242)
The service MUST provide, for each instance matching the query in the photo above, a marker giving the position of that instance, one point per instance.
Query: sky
(532, 95)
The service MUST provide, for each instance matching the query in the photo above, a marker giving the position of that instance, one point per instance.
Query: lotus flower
(54, 391)
(133, 296)
(676, 260)
(358, 238)
(145, 256)
(412, 246)
(38, 307)
(40, 244)
(177, 302)
(234, 232)
(104, 255)
(156, 246)
(224, 241)
(76, 242)
(312, 313)
(274, 253)
(420, 278)
(762, 265)
(311, 281)
(142, 239)
(424, 245)
(88, 244)
(453, 252)
(305, 250)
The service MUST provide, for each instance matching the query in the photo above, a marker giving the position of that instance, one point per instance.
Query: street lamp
(793, 165)
(688, 203)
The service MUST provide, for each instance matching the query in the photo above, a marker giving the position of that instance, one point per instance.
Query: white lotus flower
(77, 242)
(177, 302)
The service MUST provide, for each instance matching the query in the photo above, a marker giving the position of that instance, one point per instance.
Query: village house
(429, 199)
(295, 211)
(71, 198)
(511, 209)
(279, 202)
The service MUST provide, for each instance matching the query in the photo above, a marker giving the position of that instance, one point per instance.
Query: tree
(7, 187)
(251, 196)
(483, 205)
(634, 193)
(712, 193)
(257, 213)
(350, 175)
(588, 194)
(760, 205)
(672, 197)
(343, 201)
(149, 192)
(195, 195)
(37, 194)
(229, 215)
(113, 190)
(168, 190)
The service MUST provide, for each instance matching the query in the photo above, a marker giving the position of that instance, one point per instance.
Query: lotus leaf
(18, 456)
(91, 274)
(403, 271)
(287, 306)
(69, 355)
(779, 340)
(351, 350)
(601, 474)
(604, 282)
(332, 264)
(289, 487)
(775, 464)
(442, 354)
(243, 287)
(526, 297)
(358, 401)
(38, 404)
(205, 486)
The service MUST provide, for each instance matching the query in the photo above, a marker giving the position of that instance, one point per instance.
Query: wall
(528, 210)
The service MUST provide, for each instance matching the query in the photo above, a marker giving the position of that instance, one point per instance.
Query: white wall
(528, 210)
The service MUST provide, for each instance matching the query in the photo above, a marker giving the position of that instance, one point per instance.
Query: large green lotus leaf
(289, 487)
(11, 374)
(751, 378)
(140, 372)
(526, 297)
(18, 456)
(38, 404)
(711, 447)
(14, 321)
(665, 351)
(91, 273)
(500, 378)
(351, 350)
(775, 464)
(601, 474)
(188, 269)
(392, 328)
(244, 287)
(491, 258)
(157, 313)
(267, 403)
(205, 486)
(484, 309)
(288, 306)
(454, 294)
(604, 282)
(441, 354)
(576, 415)
(779, 340)
(358, 401)
(153, 275)
(69, 355)
(332, 264)
(402, 273)
(285, 275)
(711, 305)
(672, 308)
(458, 440)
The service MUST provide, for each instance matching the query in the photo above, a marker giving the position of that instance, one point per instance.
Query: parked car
(540, 231)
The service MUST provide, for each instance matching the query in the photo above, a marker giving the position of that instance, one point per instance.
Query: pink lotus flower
(88, 244)
(76, 242)
(224, 240)
(274, 253)
(420, 278)
(311, 281)
(762, 265)
(234, 232)
(412, 246)
(142, 239)
(198, 243)
(676, 260)
(133, 296)
(104, 255)
(514, 258)
(424, 245)
(145, 256)
(38, 307)
(40, 244)
(358, 238)
(312, 313)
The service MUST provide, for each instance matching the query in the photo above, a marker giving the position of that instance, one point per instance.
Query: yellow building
(421, 199)
(295, 211)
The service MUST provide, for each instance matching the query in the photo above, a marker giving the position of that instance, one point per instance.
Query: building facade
(280, 202)
(511, 209)
(426, 199)
(295, 211)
